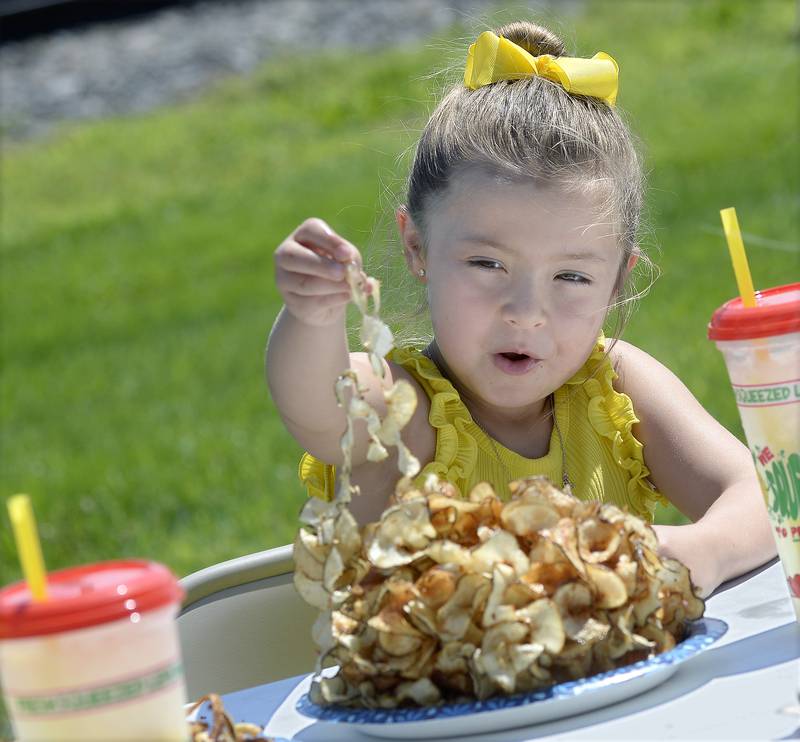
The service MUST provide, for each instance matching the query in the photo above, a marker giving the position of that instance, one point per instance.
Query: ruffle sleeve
(456, 449)
(319, 478)
(612, 416)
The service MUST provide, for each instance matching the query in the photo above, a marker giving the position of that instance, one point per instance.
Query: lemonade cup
(99, 659)
(761, 347)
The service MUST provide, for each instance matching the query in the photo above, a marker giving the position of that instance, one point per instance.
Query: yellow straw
(30, 552)
(736, 247)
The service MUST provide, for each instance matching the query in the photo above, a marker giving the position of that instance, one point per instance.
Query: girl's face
(519, 282)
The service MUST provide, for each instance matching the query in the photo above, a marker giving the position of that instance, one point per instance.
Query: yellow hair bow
(492, 58)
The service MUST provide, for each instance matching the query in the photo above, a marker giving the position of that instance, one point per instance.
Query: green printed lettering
(70, 702)
(767, 395)
(27, 705)
(773, 505)
(785, 502)
(49, 704)
(131, 689)
(160, 680)
(99, 697)
(794, 477)
(82, 699)
(761, 482)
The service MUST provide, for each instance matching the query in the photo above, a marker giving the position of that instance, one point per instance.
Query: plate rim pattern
(702, 634)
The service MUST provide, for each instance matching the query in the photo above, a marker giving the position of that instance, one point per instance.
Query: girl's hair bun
(532, 38)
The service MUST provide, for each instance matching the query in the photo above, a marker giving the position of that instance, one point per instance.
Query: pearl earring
(421, 273)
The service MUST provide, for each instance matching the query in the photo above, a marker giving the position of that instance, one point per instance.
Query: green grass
(137, 287)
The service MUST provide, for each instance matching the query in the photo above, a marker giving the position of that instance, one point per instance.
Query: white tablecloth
(740, 688)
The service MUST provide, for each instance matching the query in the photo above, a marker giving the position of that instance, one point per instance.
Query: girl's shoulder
(418, 434)
(690, 455)
(638, 374)
(662, 402)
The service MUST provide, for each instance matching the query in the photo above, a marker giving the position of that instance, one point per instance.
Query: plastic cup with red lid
(99, 659)
(761, 347)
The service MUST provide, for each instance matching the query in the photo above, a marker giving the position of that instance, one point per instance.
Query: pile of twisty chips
(448, 599)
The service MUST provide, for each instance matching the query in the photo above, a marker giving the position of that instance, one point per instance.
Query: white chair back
(243, 624)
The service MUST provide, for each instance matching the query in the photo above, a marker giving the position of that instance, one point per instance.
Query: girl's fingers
(321, 302)
(296, 258)
(347, 253)
(314, 234)
(311, 269)
(303, 284)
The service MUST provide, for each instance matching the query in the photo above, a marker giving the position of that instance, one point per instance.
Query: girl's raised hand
(310, 272)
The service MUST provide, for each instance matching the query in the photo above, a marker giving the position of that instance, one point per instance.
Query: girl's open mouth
(514, 363)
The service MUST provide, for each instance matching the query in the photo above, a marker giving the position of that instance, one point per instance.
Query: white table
(740, 688)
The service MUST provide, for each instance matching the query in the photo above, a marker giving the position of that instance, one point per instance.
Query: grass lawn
(137, 287)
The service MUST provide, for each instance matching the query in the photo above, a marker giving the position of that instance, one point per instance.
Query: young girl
(521, 219)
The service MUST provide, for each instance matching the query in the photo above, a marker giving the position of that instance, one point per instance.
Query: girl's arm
(704, 470)
(307, 348)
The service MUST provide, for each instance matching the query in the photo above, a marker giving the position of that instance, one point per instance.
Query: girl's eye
(577, 278)
(487, 264)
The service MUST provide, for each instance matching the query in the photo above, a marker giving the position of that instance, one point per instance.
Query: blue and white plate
(507, 712)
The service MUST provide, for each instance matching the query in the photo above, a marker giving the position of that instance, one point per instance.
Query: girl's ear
(632, 260)
(412, 243)
(622, 276)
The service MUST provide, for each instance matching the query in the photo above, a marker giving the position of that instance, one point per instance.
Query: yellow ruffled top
(604, 460)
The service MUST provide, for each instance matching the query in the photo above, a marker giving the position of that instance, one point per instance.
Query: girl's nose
(523, 309)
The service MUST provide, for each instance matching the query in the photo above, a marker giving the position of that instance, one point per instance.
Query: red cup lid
(88, 595)
(777, 312)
